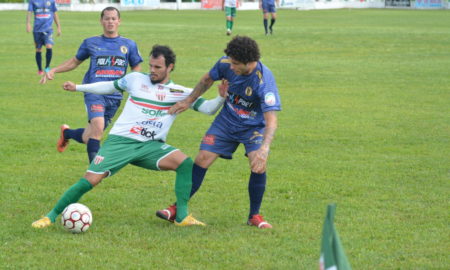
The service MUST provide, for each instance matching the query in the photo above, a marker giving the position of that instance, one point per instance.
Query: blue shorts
(222, 140)
(42, 39)
(267, 8)
(101, 106)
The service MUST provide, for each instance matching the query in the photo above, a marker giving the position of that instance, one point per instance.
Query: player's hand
(28, 28)
(180, 107)
(48, 76)
(258, 161)
(69, 86)
(58, 33)
(223, 88)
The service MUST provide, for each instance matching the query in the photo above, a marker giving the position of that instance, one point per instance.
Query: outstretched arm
(69, 65)
(201, 87)
(99, 88)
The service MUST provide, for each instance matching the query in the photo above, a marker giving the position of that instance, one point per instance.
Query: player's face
(110, 22)
(159, 73)
(239, 68)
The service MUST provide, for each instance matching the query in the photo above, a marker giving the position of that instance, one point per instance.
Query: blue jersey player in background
(45, 12)
(268, 7)
(110, 56)
(248, 117)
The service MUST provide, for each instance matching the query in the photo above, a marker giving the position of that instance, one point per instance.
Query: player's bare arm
(258, 161)
(58, 25)
(64, 67)
(29, 22)
(204, 84)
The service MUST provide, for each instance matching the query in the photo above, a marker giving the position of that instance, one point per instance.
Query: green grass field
(365, 124)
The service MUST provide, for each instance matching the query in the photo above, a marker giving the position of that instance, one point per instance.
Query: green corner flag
(332, 254)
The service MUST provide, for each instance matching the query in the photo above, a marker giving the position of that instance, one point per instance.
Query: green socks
(229, 24)
(183, 185)
(72, 195)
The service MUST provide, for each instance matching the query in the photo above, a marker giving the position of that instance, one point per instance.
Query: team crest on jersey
(160, 93)
(98, 159)
(248, 91)
(48, 3)
(225, 60)
(123, 49)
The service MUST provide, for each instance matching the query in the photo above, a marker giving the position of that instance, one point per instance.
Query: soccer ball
(76, 218)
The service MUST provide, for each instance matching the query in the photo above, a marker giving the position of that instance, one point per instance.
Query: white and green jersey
(230, 3)
(145, 115)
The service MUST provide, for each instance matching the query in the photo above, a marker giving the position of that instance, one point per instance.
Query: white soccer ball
(76, 218)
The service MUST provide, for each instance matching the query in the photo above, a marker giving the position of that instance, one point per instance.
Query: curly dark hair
(165, 51)
(243, 49)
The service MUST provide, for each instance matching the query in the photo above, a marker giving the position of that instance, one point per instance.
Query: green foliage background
(365, 124)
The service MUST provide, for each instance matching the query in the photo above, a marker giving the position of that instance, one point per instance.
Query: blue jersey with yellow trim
(249, 96)
(44, 11)
(110, 58)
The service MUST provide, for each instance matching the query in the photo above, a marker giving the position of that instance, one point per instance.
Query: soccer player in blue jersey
(110, 56)
(248, 117)
(268, 7)
(45, 12)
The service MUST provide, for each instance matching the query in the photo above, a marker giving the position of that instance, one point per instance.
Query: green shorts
(117, 152)
(230, 12)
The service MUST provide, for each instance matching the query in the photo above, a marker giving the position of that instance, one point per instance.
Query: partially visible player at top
(268, 7)
(139, 134)
(45, 12)
(248, 117)
(110, 55)
(230, 6)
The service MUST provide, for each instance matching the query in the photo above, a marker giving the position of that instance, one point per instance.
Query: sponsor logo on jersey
(143, 132)
(256, 138)
(270, 99)
(238, 100)
(209, 139)
(111, 61)
(97, 108)
(176, 90)
(151, 122)
(248, 91)
(225, 60)
(109, 73)
(145, 88)
(153, 113)
(42, 16)
(242, 113)
(123, 49)
(98, 159)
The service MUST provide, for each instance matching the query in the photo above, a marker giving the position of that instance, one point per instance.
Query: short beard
(155, 82)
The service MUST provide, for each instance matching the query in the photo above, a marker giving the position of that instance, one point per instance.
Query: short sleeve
(83, 51)
(134, 56)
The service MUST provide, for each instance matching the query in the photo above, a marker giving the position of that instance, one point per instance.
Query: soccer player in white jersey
(230, 6)
(138, 136)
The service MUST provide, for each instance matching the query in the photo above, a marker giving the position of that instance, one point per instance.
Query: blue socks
(76, 134)
(48, 58)
(256, 188)
(39, 60)
(198, 174)
(93, 146)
